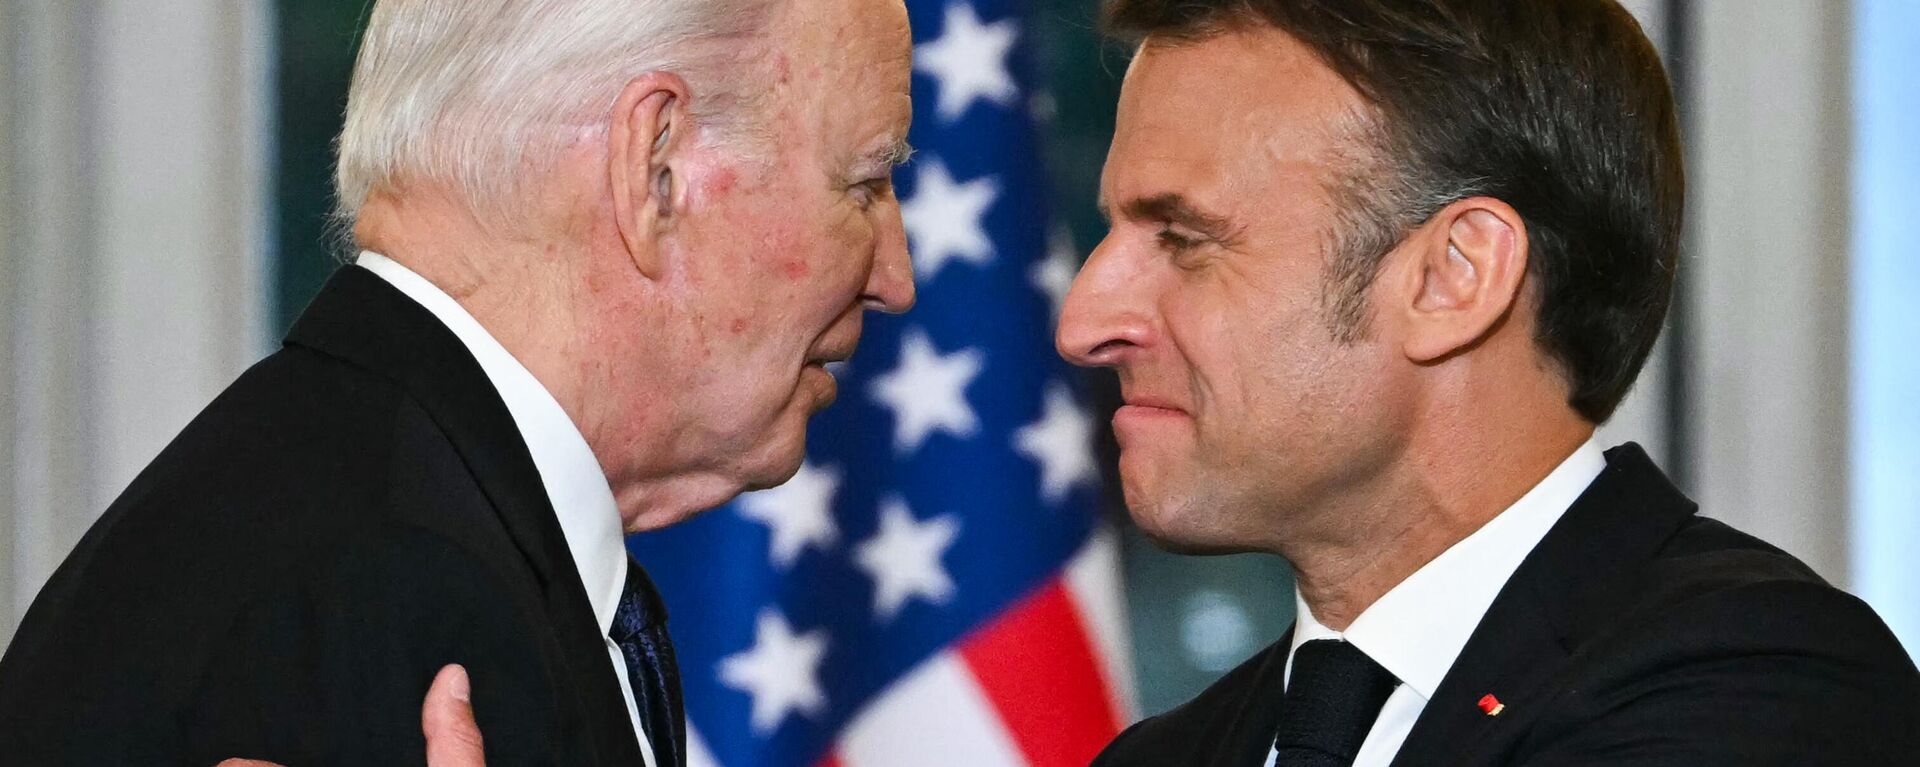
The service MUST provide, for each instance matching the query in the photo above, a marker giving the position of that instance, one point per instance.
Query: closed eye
(867, 192)
(1175, 242)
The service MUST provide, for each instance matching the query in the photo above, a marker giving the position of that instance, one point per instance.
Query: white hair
(478, 95)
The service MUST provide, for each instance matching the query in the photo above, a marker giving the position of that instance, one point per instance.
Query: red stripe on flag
(832, 759)
(1039, 667)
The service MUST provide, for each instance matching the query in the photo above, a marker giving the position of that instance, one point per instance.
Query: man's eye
(1176, 242)
(867, 192)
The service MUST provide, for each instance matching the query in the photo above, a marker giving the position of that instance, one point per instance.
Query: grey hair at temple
(478, 96)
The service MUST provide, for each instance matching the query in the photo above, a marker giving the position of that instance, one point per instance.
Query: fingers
(245, 763)
(453, 739)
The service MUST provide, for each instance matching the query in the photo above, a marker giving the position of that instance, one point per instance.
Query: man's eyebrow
(892, 155)
(1174, 208)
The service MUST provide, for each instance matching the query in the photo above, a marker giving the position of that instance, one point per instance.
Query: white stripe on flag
(935, 716)
(1093, 578)
(698, 754)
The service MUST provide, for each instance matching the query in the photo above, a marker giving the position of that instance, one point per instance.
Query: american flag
(933, 587)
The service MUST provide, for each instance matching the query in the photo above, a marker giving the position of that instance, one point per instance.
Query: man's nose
(1105, 318)
(890, 285)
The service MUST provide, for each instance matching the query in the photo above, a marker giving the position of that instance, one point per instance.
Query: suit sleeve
(330, 667)
(1783, 673)
(1116, 753)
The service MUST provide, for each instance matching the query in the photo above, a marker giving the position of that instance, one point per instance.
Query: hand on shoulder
(453, 738)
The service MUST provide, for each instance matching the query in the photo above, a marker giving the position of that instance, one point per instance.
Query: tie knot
(1333, 696)
(640, 606)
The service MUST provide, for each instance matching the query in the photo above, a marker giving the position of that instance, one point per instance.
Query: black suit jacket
(287, 576)
(1635, 634)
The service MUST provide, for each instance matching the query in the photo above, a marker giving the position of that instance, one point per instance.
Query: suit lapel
(1248, 732)
(1564, 590)
(1510, 656)
(360, 318)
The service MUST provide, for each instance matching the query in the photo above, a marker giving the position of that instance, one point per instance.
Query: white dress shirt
(574, 481)
(1417, 630)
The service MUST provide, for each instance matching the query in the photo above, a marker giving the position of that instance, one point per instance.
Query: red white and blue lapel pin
(1492, 705)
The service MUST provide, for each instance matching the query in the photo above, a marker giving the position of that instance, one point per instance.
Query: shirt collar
(1417, 630)
(575, 483)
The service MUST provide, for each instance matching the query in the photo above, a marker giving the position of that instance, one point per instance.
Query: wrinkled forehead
(846, 63)
(852, 30)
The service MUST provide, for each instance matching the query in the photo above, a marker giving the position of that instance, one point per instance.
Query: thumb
(453, 739)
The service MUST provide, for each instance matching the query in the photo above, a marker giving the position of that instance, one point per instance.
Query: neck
(1445, 487)
(516, 286)
(538, 297)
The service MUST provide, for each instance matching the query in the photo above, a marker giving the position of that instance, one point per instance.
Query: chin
(656, 520)
(1163, 525)
(777, 460)
(1183, 523)
(772, 475)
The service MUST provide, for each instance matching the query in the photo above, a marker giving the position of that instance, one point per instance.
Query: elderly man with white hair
(607, 249)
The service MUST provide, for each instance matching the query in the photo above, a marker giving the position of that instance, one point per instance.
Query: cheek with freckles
(821, 270)
(783, 257)
(852, 242)
(719, 183)
(755, 246)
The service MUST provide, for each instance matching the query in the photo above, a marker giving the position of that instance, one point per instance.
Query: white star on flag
(1054, 275)
(928, 391)
(945, 219)
(969, 61)
(904, 558)
(1061, 442)
(797, 514)
(781, 673)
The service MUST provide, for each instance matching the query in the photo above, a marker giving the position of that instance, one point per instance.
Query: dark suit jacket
(1635, 634)
(285, 579)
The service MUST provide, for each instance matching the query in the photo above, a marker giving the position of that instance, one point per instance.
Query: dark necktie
(640, 630)
(1334, 695)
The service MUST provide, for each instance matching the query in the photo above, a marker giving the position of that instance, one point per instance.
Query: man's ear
(1467, 266)
(646, 139)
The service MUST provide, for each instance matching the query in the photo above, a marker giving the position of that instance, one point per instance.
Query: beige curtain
(133, 233)
(1769, 158)
(1762, 434)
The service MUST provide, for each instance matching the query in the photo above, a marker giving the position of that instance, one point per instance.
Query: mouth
(1150, 403)
(835, 345)
(832, 352)
(825, 387)
(1134, 415)
(829, 362)
(1141, 416)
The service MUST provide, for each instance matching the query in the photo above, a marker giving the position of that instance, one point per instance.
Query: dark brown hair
(1560, 108)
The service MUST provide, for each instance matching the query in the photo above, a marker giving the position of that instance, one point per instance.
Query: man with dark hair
(1377, 269)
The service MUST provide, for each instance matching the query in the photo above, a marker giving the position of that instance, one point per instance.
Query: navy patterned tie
(1334, 695)
(640, 630)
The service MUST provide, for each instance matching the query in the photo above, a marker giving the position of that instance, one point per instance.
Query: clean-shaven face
(1242, 412)
(790, 247)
